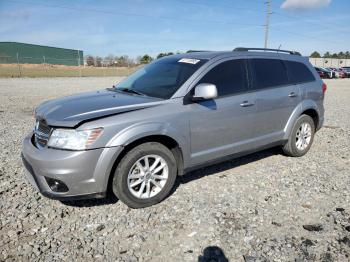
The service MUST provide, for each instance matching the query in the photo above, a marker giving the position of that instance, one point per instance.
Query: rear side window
(298, 72)
(230, 77)
(269, 73)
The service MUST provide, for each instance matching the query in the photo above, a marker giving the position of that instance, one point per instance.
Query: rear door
(276, 98)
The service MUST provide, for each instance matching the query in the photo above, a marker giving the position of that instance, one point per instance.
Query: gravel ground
(262, 207)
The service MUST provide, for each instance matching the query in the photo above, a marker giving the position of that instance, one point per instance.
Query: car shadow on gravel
(228, 164)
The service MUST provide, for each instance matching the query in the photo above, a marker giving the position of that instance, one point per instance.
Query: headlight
(73, 139)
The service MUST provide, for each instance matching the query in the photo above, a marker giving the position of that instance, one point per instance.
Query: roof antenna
(279, 48)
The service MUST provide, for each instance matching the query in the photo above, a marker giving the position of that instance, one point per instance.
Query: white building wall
(329, 62)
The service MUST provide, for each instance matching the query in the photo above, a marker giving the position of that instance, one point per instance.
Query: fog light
(56, 185)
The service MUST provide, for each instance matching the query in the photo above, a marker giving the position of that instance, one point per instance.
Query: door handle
(246, 104)
(292, 94)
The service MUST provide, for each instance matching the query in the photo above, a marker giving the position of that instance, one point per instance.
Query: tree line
(126, 61)
(340, 55)
(121, 61)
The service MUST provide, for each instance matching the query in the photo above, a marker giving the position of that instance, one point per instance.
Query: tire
(133, 164)
(292, 147)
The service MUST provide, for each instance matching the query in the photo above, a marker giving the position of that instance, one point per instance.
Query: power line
(178, 19)
(267, 27)
(306, 36)
(220, 5)
(128, 14)
(313, 23)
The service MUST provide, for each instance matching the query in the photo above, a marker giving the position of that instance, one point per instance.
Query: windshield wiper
(124, 89)
(128, 90)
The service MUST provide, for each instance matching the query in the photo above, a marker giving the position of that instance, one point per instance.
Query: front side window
(230, 77)
(269, 73)
(161, 78)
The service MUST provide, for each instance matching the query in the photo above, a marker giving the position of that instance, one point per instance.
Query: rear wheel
(145, 175)
(301, 137)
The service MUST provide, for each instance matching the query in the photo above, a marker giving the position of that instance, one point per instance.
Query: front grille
(42, 133)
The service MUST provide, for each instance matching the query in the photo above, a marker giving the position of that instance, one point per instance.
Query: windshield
(161, 78)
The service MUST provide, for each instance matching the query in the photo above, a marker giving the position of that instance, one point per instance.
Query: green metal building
(13, 53)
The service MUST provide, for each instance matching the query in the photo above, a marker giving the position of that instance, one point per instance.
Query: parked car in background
(329, 72)
(176, 114)
(322, 73)
(340, 73)
(346, 70)
(335, 73)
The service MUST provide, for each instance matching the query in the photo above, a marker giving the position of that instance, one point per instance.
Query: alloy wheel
(303, 136)
(147, 176)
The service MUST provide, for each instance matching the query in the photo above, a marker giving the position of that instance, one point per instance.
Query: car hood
(71, 111)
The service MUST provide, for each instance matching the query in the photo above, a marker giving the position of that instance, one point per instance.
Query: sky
(137, 27)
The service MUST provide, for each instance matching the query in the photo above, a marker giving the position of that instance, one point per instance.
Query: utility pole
(45, 67)
(267, 21)
(79, 64)
(19, 67)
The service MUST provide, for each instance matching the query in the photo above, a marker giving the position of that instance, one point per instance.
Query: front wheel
(301, 137)
(145, 175)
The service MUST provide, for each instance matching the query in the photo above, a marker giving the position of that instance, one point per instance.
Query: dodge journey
(176, 114)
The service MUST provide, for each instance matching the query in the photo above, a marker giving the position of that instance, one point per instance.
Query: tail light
(324, 88)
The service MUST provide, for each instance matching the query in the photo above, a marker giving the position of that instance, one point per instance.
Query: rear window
(298, 72)
(269, 73)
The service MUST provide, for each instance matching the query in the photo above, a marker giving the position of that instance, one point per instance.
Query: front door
(224, 125)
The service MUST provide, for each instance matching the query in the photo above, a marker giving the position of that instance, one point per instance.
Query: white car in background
(334, 71)
(329, 72)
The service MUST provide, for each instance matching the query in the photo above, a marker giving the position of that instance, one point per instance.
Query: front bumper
(85, 173)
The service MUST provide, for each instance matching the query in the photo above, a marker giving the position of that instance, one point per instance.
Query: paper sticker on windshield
(189, 61)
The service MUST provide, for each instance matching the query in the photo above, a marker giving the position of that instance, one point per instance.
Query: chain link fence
(22, 66)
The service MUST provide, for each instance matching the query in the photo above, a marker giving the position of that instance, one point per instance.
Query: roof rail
(195, 51)
(266, 49)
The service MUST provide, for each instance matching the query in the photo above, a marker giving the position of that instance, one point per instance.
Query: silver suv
(175, 114)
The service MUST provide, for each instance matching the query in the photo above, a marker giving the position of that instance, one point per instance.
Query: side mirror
(205, 91)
